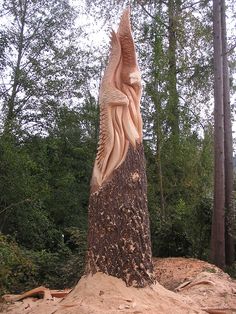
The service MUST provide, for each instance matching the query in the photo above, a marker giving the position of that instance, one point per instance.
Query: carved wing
(113, 62)
(131, 77)
(109, 97)
(126, 40)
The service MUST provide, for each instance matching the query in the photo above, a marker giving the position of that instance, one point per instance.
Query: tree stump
(119, 233)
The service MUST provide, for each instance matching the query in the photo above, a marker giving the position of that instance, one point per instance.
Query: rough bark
(218, 219)
(119, 235)
(228, 146)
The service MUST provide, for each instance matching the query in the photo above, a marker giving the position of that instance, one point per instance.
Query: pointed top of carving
(124, 28)
(125, 17)
(127, 43)
(114, 57)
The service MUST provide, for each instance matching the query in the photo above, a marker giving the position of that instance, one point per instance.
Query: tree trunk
(228, 146)
(160, 176)
(119, 235)
(173, 114)
(158, 132)
(218, 219)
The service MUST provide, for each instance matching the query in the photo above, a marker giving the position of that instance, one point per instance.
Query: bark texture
(228, 146)
(119, 234)
(218, 219)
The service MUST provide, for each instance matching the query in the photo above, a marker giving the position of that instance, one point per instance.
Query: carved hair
(119, 98)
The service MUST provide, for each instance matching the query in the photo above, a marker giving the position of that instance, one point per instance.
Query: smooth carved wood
(120, 92)
(119, 233)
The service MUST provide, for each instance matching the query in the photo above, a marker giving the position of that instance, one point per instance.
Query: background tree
(218, 219)
(228, 148)
(49, 126)
(40, 67)
(223, 213)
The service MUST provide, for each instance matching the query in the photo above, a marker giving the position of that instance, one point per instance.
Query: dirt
(171, 272)
(184, 286)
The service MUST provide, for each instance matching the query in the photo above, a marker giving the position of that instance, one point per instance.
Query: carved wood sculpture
(119, 234)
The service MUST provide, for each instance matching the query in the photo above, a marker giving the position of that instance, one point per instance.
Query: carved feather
(119, 98)
(126, 40)
(109, 97)
(130, 75)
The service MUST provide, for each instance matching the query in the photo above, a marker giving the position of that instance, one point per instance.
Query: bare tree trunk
(119, 236)
(159, 166)
(173, 114)
(228, 146)
(218, 219)
(157, 126)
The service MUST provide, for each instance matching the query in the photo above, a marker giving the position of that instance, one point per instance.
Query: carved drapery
(119, 98)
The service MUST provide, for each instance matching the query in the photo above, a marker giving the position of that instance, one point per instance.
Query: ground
(185, 286)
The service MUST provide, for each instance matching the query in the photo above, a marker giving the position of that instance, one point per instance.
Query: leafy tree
(49, 127)
(39, 61)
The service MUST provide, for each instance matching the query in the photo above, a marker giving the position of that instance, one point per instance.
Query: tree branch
(191, 5)
(152, 16)
(230, 49)
(15, 204)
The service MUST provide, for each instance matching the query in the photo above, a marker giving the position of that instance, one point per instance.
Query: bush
(17, 270)
(185, 231)
(22, 269)
(169, 238)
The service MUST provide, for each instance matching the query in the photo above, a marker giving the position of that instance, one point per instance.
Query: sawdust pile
(197, 287)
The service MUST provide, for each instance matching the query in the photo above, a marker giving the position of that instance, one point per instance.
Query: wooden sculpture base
(119, 234)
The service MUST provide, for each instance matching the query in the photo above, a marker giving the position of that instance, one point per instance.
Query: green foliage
(184, 228)
(45, 184)
(197, 224)
(17, 271)
(169, 238)
(185, 232)
(22, 269)
(231, 270)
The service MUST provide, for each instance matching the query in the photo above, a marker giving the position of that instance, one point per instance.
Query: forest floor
(184, 286)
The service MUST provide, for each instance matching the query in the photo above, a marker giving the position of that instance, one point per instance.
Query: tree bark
(218, 219)
(119, 234)
(228, 146)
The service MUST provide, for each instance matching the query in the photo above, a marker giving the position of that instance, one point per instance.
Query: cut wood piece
(39, 292)
(60, 293)
(190, 284)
